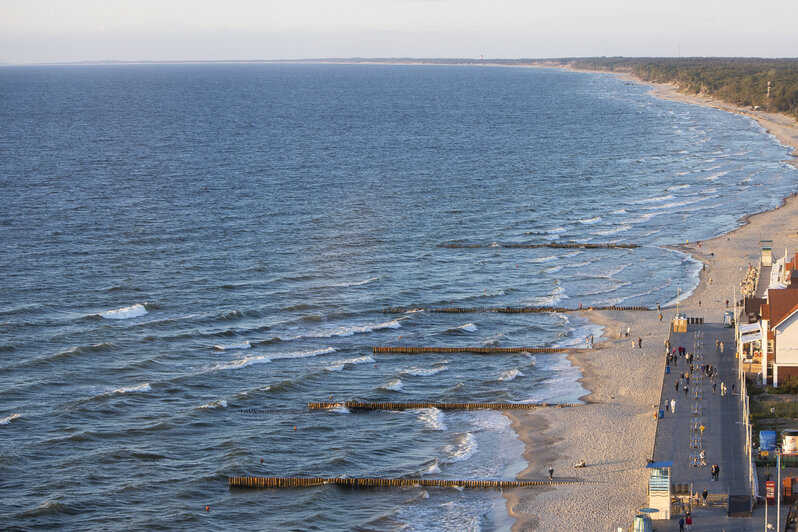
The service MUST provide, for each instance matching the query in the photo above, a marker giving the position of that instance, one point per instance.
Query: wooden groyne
(290, 482)
(504, 310)
(354, 405)
(608, 245)
(381, 350)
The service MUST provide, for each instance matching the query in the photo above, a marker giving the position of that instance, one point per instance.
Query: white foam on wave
(614, 230)
(492, 294)
(214, 404)
(656, 199)
(469, 327)
(356, 283)
(590, 221)
(716, 176)
(553, 269)
(9, 419)
(340, 365)
(341, 409)
(678, 187)
(393, 386)
(124, 313)
(433, 469)
(555, 296)
(679, 203)
(462, 450)
(133, 389)
(542, 259)
(613, 271)
(424, 372)
(431, 418)
(240, 345)
(489, 420)
(556, 230)
(619, 211)
(263, 359)
(350, 330)
(643, 217)
(510, 375)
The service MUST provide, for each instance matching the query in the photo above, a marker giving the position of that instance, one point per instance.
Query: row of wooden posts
(546, 245)
(291, 482)
(355, 405)
(379, 350)
(504, 310)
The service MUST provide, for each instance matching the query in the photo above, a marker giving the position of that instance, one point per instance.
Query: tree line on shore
(740, 81)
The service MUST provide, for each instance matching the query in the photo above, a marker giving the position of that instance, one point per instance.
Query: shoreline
(615, 431)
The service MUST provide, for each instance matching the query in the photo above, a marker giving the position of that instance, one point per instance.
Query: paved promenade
(680, 439)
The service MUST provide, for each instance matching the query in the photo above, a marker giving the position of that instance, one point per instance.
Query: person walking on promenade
(673, 406)
(677, 385)
(685, 390)
(688, 523)
(714, 387)
(681, 524)
(704, 495)
(717, 471)
(721, 348)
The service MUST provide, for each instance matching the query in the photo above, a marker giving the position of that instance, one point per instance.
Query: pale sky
(36, 31)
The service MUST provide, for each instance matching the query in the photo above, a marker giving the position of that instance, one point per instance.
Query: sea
(193, 252)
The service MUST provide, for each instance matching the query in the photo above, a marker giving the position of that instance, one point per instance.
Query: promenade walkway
(680, 439)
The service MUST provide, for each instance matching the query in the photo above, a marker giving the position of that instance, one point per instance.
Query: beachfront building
(779, 334)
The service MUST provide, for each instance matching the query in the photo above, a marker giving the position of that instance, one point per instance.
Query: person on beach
(551, 473)
(639, 342)
(628, 330)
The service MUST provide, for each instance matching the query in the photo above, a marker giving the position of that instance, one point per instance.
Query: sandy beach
(614, 432)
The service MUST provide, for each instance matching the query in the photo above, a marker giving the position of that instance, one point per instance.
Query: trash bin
(667, 370)
(661, 413)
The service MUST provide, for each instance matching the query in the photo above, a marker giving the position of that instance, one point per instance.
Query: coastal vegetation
(773, 408)
(739, 81)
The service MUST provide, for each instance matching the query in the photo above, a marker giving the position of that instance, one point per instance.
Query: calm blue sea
(180, 242)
